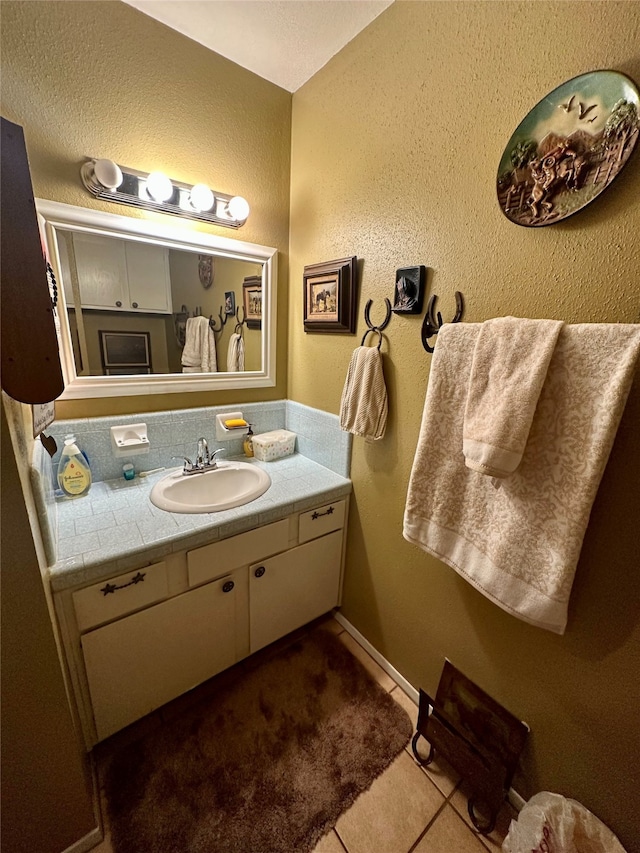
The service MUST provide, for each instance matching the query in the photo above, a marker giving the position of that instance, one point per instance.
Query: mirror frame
(57, 216)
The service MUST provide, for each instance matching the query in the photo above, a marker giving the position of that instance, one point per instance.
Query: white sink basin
(230, 484)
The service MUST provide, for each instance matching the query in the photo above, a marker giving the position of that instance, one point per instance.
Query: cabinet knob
(135, 304)
(260, 571)
(228, 586)
(118, 304)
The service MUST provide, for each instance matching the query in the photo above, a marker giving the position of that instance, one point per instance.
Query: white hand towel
(510, 363)
(364, 406)
(519, 544)
(235, 354)
(199, 353)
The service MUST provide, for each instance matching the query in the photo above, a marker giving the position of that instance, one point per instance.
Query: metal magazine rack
(477, 736)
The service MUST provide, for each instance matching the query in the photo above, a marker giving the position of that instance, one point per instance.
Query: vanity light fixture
(155, 191)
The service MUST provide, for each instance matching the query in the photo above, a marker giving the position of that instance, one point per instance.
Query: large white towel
(510, 363)
(235, 354)
(199, 353)
(519, 543)
(364, 406)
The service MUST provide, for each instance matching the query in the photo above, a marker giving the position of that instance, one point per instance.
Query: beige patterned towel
(519, 543)
(510, 363)
(364, 406)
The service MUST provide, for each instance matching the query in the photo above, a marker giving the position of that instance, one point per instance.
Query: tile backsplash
(175, 433)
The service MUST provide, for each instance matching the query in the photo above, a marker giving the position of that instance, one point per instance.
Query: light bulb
(201, 197)
(108, 174)
(159, 187)
(238, 208)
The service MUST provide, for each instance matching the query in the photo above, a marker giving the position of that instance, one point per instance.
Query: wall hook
(431, 324)
(380, 326)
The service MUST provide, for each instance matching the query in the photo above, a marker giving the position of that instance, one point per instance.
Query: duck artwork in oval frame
(569, 148)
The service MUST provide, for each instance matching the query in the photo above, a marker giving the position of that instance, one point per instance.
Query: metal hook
(367, 316)
(431, 324)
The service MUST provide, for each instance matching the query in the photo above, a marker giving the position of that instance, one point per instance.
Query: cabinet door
(148, 275)
(140, 662)
(102, 271)
(293, 588)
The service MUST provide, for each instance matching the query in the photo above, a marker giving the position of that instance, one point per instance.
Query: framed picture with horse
(330, 292)
(252, 301)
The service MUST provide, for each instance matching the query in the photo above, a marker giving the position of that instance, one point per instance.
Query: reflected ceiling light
(159, 187)
(238, 207)
(201, 197)
(155, 191)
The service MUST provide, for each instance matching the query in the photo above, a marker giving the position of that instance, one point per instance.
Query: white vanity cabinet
(115, 275)
(137, 640)
(291, 589)
(138, 663)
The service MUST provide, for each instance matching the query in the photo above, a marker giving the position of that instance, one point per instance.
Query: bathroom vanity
(138, 638)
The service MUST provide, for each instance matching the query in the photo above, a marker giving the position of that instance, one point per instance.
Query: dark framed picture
(229, 302)
(123, 353)
(330, 292)
(409, 290)
(252, 301)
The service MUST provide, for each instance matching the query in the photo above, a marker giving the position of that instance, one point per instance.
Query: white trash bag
(550, 823)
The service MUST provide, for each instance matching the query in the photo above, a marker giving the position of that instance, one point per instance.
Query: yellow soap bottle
(247, 444)
(74, 473)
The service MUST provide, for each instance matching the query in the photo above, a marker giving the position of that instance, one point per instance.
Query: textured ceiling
(284, 41)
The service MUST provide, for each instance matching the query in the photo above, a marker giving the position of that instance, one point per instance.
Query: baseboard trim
(513, 796)
(391, 671)
(88, 842)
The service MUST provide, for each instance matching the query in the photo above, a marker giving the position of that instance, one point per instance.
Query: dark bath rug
(265, 764)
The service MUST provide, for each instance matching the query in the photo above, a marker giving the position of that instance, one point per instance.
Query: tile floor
(408, 809)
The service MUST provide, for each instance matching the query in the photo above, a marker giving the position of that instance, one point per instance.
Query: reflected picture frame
(329, 296)
(125, 352)
(252, 301)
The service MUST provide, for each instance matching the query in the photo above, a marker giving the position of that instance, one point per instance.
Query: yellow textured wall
(395, 149)
(102, 79)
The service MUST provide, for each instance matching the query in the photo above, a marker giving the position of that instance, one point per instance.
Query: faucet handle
(212, 457)
(187, 463)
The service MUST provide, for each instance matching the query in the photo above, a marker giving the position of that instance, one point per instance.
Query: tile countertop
(115, 528)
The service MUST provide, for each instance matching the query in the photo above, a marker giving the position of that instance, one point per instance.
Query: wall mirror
(126, 289)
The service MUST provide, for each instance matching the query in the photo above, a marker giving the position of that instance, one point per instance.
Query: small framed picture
(252, 301)
(125, 352)
(409, 290)
(229, 302)
(330, 296)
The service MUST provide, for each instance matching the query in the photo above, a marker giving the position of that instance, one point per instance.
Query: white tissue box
(274, 445)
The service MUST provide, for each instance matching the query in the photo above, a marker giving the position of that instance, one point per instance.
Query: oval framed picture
(569, 148)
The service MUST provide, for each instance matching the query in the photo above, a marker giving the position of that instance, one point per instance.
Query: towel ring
(379, 331)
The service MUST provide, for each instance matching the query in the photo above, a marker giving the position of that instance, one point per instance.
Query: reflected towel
(510, 363)
(519, 543)
(363, 407)
(199, 353)
(235, 354)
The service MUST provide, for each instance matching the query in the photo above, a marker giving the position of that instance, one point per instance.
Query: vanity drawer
(219, 558)
(323, 519)
(118, 596)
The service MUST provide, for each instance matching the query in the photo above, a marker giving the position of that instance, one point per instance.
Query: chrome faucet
(205, 461)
